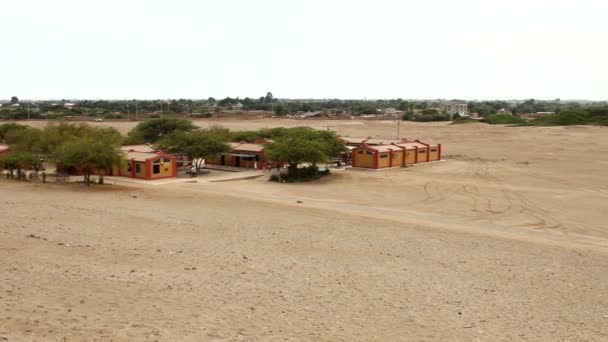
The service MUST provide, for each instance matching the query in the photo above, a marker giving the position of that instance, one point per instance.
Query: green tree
(247, 136)
(269, 98)
(333, 145)
(300, 145)
(11, 131)
(218, 132)
(196, 145)
(430, 111)
(405, 106)
(13, 160)
(89, 154)
(279, 110)
(14, 100)
(153, 130)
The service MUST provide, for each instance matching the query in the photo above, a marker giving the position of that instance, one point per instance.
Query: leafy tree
(227, 101)
(219, 133)
(12, 161)
(430, 111)
(279, 109)
(409, 115)
(334, 146)
(405, 106)
(269, 98)
(303, 145)
(196, 145)
(273, 133)
(503, 119)
(364, 108)
(152, 130)
(14, 100)
(90, 154)
(11, 131)
(247, 136)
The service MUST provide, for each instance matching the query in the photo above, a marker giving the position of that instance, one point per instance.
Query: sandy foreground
(505, 240)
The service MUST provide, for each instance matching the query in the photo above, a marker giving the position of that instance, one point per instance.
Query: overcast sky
(470, 49)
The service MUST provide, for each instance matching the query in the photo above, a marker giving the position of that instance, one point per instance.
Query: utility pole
(398, 126)
(28, 110)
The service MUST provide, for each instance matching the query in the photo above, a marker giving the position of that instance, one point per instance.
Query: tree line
(418, 110)
(92, 150)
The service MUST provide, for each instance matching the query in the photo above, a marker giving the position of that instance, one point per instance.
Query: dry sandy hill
(506, 240)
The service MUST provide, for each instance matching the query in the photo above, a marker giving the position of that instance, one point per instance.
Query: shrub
(201, 115)
(304, 174)
(408, 116)
(461, 120)
(433, 117)
(503, 119)
(247, 136)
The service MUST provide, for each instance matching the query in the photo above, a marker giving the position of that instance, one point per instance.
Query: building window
(421, 151)
(433, 150)
(384, 156)
(137, 168)
(166, 160)
(369, 153)
(360, 152)
(155, 169)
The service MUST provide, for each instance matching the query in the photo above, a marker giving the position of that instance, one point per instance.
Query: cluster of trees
(593, 115)
(263, 103)
(304, 145)
(80, 147)
(88, 149)
(293, 146)
(426, 115)
(574, 116)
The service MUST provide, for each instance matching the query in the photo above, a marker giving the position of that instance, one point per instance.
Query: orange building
(243, 155)
(397, 153)
(420, 152)
(377, 157)
(144, 162)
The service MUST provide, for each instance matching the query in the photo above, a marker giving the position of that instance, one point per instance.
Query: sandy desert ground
(506, 240)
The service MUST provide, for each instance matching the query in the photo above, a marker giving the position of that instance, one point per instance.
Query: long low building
(393, 154)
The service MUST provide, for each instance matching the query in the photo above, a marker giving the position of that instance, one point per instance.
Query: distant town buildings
(456, 107)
